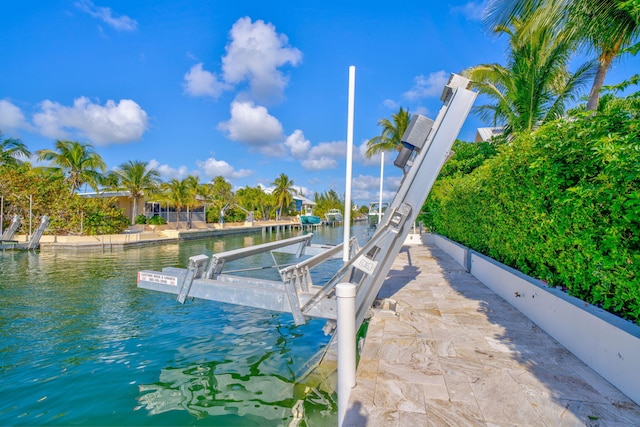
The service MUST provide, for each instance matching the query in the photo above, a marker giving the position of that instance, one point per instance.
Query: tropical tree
(327, 201)
(137, 178)
(608, 27)
(79, 163)
(178, 194)
(255, 199)
(535, 84)
(11, 149)
(222, 194)
(391, 137)
(283, 192)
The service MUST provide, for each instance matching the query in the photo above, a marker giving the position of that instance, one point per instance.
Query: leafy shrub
(156, 220)
(562, 205)
(140, 219)
(50, 195)
(101, 221)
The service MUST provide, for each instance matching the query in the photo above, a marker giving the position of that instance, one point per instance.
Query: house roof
(485, 134)
(105, 194)
(304, 200)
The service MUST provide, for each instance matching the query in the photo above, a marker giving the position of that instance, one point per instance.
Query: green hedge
(562, 205)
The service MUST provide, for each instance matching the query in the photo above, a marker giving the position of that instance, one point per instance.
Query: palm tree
(11, 149)
(391, 137)
(178, 193)
(283, 192)
(608, 27)
(137, 178)
(78, 162)
(535, 85)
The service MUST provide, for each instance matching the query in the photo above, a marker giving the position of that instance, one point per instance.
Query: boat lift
(426, 147)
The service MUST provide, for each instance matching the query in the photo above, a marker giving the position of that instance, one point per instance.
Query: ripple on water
(80, 344)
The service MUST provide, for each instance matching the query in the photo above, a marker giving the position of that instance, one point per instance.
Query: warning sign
(157, 278)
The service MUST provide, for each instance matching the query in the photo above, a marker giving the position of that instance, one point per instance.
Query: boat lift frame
(426, 147)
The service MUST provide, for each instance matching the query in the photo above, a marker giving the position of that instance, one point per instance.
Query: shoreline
(146, 235)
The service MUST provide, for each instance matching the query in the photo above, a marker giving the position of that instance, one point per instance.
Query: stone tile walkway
(453, 353)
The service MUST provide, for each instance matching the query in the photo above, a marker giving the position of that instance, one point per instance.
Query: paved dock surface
(453, 353)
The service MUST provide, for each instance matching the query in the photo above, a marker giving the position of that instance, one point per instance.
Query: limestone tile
(371, 348)
(466, 353)
(440, 332)
(500, 398)
(499, 360)
(466, 340)
(447, 413)
(405, 350)
(569, 387)
(459, 389)
(414, 419)
(370, 416)
(367, 368)
(414, 373)
(396, 328)
(445, 321)
(563, 412)
(462, 319)
(437, 390)
(376, 327)
(420, 324)
(604, 387)
(445, 348)
(397, 395)
(418, 319)
(456, 366)
(363, 392)
(425, 352)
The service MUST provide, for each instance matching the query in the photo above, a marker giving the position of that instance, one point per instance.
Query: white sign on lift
(144, 276)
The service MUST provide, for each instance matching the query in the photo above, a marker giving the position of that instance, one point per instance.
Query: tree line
(72, 165)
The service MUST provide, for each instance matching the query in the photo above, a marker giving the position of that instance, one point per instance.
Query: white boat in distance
(375, 213)
(334, 215)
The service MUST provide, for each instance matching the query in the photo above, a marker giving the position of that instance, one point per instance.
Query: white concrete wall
(453, 249)
(606, 343)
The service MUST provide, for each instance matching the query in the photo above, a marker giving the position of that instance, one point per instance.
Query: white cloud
(320, 163)
(427, 87)
(473, 10)
(213, 167)
(254, 54)
(367, 187)
(200, 82)
(253, 125)
(390, 104)
(114, 122)
(298, 145)
(11, 117)
(325, 155)
(121, 23)
(168, 172)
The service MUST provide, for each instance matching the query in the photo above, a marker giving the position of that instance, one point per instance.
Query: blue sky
(246, 90)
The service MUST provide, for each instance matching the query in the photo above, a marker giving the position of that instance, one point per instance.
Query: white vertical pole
(347, 194)
(346, 295)
(1, 215)
(381, 184)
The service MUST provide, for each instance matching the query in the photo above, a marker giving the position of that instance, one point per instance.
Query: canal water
(80, 344)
